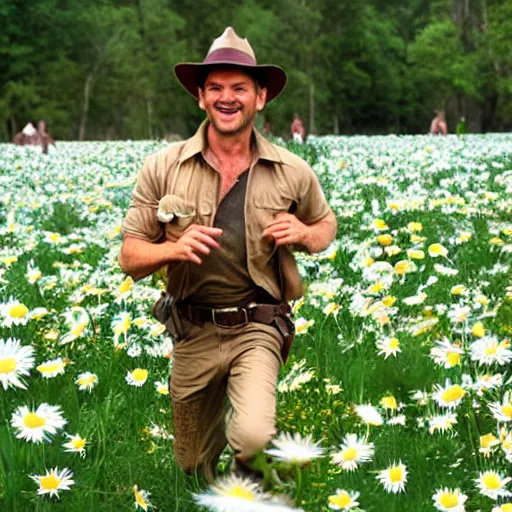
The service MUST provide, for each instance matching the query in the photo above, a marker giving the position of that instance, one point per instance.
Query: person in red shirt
(438, 124)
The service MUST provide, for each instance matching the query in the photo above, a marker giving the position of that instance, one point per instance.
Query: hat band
(229, 55)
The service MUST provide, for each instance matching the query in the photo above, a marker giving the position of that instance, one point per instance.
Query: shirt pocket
(178, 225)
(268, 206)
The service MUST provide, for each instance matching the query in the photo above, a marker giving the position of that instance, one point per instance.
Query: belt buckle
(229, 310)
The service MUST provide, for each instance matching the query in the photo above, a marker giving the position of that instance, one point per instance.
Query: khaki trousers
(212, 366)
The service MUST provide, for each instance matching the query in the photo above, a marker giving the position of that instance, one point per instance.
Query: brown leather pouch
(165, 311)
(286, 327)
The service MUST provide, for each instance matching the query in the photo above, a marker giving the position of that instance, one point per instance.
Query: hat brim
(273, 77)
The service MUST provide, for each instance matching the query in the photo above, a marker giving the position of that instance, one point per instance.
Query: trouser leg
(198, 395)
(252, 390)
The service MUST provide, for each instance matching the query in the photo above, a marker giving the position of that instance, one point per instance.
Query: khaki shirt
(279, 181)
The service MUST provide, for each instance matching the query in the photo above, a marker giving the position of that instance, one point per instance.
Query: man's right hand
(195, 241)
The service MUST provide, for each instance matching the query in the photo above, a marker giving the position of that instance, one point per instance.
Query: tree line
(103, 69)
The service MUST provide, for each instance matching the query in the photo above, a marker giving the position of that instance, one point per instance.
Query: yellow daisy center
(350, 454)
(449, 500)
(490, 351)
(50, 368)
(18, 311)
(453, 393)
(341, 500)
(491, 481)
(486, 440)
(7, 365)
(126, 285)
(140, 374)
(453, 358)
(78, 443)
(507, 410)
(84, 381)
(50, 482)
(78, 329)
(240, 492)
(389, 402)
(140, 500)
(506, 507)
(396, 474)
(32, 420)
(394, 343)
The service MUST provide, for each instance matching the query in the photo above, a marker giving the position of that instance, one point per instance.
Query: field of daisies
(398, 392)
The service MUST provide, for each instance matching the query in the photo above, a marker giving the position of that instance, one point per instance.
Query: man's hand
(286, 229)
(196, 240)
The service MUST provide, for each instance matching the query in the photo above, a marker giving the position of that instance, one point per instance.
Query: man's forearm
(319, 236)
(139, 258)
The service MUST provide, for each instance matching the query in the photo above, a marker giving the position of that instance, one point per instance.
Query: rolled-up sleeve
(141, 219)
(312, 205)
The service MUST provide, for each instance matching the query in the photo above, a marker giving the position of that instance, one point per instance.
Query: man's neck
(227, 147)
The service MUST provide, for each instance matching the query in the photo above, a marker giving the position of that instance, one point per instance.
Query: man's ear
(261, 99)
(200, 100)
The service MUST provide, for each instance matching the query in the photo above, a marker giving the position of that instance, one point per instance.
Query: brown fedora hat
(230, 49)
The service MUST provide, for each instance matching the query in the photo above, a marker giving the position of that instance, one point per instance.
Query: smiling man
(220, 211)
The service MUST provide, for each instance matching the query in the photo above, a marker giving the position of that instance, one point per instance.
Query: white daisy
(234, 494)
(137, 377)
(449, 500)
(14, 313)
(162, 387)
(488, 350)
(54, 481)
(487, 444)
(389, 345)
(502, 412)
(369, 414)
(393, 478)
(492, 484)
(141, 498)
(120, 325)
(52, 368)
(295, 449)
(504, 507)
(302, 325)
(76, 444)
(38, 425)
(353, 451)
(446, 353)
(449, 396)
(441, 422)
(343, 500)
(15, 361)
(86, 381)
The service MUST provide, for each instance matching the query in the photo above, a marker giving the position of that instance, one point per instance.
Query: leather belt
(235, 316)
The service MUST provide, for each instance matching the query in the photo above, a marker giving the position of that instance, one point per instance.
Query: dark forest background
(102, 69)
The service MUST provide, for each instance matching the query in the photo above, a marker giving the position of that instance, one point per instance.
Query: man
(297, 130)
(219, 210)
(438, 124)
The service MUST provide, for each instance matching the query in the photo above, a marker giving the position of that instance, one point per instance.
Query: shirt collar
(265, 150)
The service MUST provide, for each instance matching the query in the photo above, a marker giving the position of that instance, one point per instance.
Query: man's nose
(227, 95)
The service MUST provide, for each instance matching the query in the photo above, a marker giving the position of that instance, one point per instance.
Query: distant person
(461, 127)
(297, 130)
(438, 124)
(44, 137)
(27, 137)
(267, 128)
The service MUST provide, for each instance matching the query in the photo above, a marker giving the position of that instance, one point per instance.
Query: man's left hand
(286, 229)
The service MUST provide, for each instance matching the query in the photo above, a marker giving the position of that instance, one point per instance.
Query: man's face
(231, 99)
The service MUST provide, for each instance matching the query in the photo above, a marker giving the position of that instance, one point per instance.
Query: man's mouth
(227, 110)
